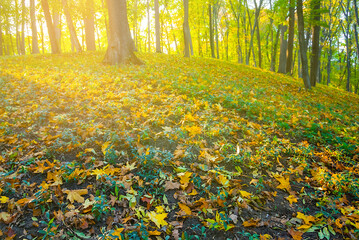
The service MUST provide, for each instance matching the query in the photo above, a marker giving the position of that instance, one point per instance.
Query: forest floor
(175, 149)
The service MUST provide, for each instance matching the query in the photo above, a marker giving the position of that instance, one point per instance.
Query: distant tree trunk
(186, 30)
(42, 38)
(330, 51)
(121, 46)
(50, 27)
(315, 42)
(1, 38)
(71, 27)
(135, 29)
(258, 8)
(274, 50)
(157, 27)
(22, 42)
(89, 22)
(356, 25)
(303, 47)
(215, 16)
(290, 37)
(211, 37)
(148, 26)
(236, 16)
(346, 32)
(17, 28)
(283, 51)
(35, 41)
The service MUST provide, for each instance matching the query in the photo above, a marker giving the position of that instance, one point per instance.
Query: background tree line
(316, 40)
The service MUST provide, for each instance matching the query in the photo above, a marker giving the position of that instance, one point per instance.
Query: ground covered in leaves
(176, 149)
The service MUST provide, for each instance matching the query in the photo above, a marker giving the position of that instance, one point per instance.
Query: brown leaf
(251, 223)
(296, 235)
(169, 185)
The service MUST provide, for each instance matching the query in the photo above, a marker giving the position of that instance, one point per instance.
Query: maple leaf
(4, 199)
(169, 185)
(185, 208)
(223, 180)
(296, 235)
(291, 199)
(76, 195)
(184, 179)
(245, 194)
(158, 218)
(284, 182)
(117, 233)
(306, 218)
(251, 222)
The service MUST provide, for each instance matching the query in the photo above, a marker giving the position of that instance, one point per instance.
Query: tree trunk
(274, 51)
(22, 41)
(186, 31)
(50, 27)
(71, 27)
(283, 51)
(148, 26)
(35, 41)
(57, 26)
(1, 38)
(157, 27)
(258, 9)
(211, 37)
(315, 42)
(356, 27)
(290, 37)
(121, 47)
(89, 22)
(303, 47)
(215, 16)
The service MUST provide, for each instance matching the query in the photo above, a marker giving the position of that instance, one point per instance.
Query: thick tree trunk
(283, 51)
(57, 26)
(157, 27)
(89, 22)
(121, 46)
(302, 44)
(50, 27)
(186, 31)
(290, 37)
(315, 42)
(211, 37)
(274, 50)
(71, 27)
(35, 41)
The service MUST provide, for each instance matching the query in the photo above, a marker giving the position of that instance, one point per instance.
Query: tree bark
(303, 47)
(1, 38)
(121, 46)
(148, 26)
(89, 22)
(274, 51)
(186, 31)
(283, 51)
(157, 27)
(35, 41)
(50, 27)
(215, 16)
(22, 41)
(258, 8)
(71, 27)
(211, 37)
(315, 42)
(290, 37)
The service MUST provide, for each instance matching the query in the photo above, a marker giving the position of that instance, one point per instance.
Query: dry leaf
(169, 185)
(76, 195)
(185, 208)
(251, 223)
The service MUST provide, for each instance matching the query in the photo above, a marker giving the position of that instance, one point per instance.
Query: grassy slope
(195, 142)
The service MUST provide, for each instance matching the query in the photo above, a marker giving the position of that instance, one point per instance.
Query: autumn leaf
(117, 233)
(223, 180)
(185, 208)
(76, 195)
(306, 218)
(296, 235)
(284, 182)
(184, 179)
(104, 147)
(4, 199)
(251, 222)
(4, 216)
(169, 185)
(291, 199)
(245, 194)
(158, 218)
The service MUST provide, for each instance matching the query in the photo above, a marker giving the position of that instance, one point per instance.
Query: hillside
(176, 149)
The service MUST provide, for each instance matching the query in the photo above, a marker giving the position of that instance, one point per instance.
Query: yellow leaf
(245, 194)
(223, 180)
(194, 130)
(251, 223)
(185, 178)
(291, 199)
(104, 147)
(265, 237)
(306, 218)
(117, 233)
(4, 199)
(154, 233)
(284, 182)
(75, 195)
(4, 216)
(158, 218)
(185, 208)
(304, 227)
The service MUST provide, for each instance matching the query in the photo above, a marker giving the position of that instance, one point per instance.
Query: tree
(157, 27)
(186, 30)
(283, 50)
(1, 37)
(50, 27)
(314, 63)
(211, 35)
(290, 37)
(71, 27)
(35, 41)
(121, 47)
(89, 23)
(302, 45)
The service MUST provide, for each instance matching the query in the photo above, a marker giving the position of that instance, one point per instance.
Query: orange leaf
(296, 235)
(251, 223)
(185, 208)
(284, 182)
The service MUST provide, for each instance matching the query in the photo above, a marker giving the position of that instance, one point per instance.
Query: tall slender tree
(314, 63)
(50, 27)
(186, 30)
(290, 37)
(71, 27)
(35, 41)
(89, 22)
(157, 27)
